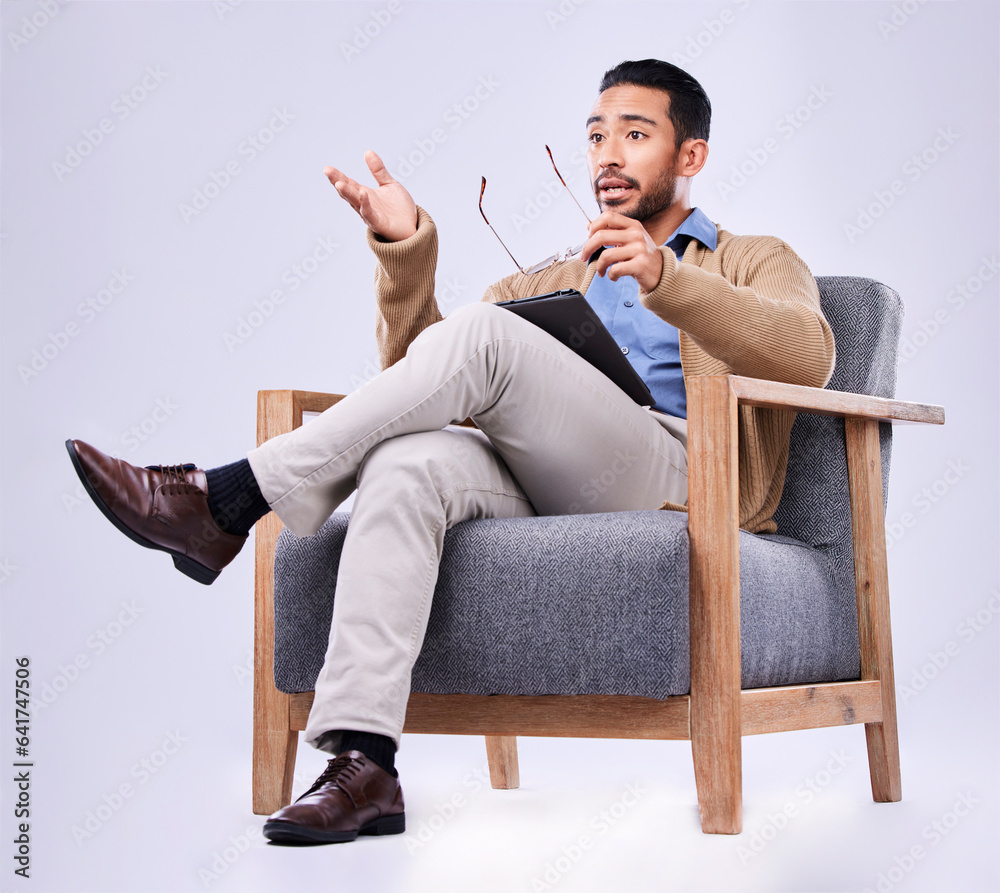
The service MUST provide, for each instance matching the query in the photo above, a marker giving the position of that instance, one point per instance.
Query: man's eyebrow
(599, 119)
(642, 118)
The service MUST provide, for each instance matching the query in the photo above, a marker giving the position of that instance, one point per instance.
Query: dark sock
(234, 499)
(378, 748)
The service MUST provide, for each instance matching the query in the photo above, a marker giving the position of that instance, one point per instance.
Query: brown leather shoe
(353, 796)
(159, 507)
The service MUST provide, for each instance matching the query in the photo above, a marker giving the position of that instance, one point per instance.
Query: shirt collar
(695, 226)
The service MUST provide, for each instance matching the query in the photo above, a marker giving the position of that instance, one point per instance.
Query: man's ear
(691, 157)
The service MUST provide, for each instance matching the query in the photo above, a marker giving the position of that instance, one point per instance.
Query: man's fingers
(611, 237)
(375, 165)
(349, 190)
(611, 220)
(389, 212)
(599, 239)
(589, 247)
(368, 213)
(613, 256)
(333, 175)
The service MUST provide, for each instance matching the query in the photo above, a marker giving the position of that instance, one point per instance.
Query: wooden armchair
(718, 708)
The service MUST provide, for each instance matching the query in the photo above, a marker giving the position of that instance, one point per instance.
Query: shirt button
(624, 350)
(628, 303)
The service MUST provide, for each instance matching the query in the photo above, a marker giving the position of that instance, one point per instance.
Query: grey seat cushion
(557, 621)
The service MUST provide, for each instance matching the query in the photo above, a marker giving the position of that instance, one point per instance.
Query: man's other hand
(388, 211)
(630, 249)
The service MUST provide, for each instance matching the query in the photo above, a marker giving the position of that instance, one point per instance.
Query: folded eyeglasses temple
(570, 252)
(561, 180)
(482, 189)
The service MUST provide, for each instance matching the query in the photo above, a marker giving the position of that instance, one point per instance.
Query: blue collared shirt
(650, 344)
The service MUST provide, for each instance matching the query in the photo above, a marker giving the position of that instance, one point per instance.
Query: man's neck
(661, 226)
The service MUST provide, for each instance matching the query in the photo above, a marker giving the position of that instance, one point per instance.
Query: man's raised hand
(629, 248)
(389, 210)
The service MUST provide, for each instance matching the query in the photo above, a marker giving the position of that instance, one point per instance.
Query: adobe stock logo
(92, 137)
(787, 126)
(428, 828)
(915, 167)
(711, 32)
(901, 15)
(557, 14)
(805, 794)
(960, 296)
(98, 643)
(60, 339)
(142, 770)
(377, 22)
(934, 832)
(939, 660)
(293, 278)
(454, 117)
(557, 868)
(33, 25)
(225, 8)
(250, 149)
(929, 496)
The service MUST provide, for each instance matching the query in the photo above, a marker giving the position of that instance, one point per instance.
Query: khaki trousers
(555, 437)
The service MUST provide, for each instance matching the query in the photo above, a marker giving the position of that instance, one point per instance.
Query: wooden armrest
(776, 395)
(279, 412)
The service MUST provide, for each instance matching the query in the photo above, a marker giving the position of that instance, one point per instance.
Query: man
(681, 296)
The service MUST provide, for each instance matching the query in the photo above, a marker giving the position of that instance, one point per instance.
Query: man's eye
(595, 137)
(636, 134)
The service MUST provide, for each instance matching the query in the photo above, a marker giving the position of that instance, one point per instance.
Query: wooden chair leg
(501, 752)
(872, 585)
(273, 767)
(718, 776)
(274, 742)
(713, 530)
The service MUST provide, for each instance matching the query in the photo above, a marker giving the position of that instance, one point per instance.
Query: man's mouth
(613, 187)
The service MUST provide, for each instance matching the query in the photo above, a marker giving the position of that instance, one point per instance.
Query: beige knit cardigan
(750, 307)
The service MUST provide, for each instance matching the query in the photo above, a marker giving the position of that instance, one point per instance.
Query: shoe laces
(340, 768)
(174, 477)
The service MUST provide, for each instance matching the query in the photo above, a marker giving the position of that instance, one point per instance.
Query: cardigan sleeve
(404, 288)
(760, 315)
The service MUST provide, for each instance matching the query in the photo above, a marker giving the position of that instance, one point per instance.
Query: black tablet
(568, 318)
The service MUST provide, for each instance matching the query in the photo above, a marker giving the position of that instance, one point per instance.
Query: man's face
(631, 151)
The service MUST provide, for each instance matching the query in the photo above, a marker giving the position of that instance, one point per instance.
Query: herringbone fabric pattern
(815, 504)
(598, 604)
(572, 615)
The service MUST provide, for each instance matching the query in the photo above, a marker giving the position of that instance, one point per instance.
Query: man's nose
(610, 155)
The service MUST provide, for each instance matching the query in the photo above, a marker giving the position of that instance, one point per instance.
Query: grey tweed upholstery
(598, 604)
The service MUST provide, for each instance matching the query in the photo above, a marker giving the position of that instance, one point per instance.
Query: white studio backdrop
(170, 246)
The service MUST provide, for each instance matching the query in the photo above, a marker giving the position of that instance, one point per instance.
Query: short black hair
(690, 111)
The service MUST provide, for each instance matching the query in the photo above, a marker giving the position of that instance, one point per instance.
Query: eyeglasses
(567, 254)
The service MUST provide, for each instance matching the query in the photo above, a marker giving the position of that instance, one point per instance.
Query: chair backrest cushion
(865, 317)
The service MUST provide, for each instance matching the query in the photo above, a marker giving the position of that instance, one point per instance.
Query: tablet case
(568, 318)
